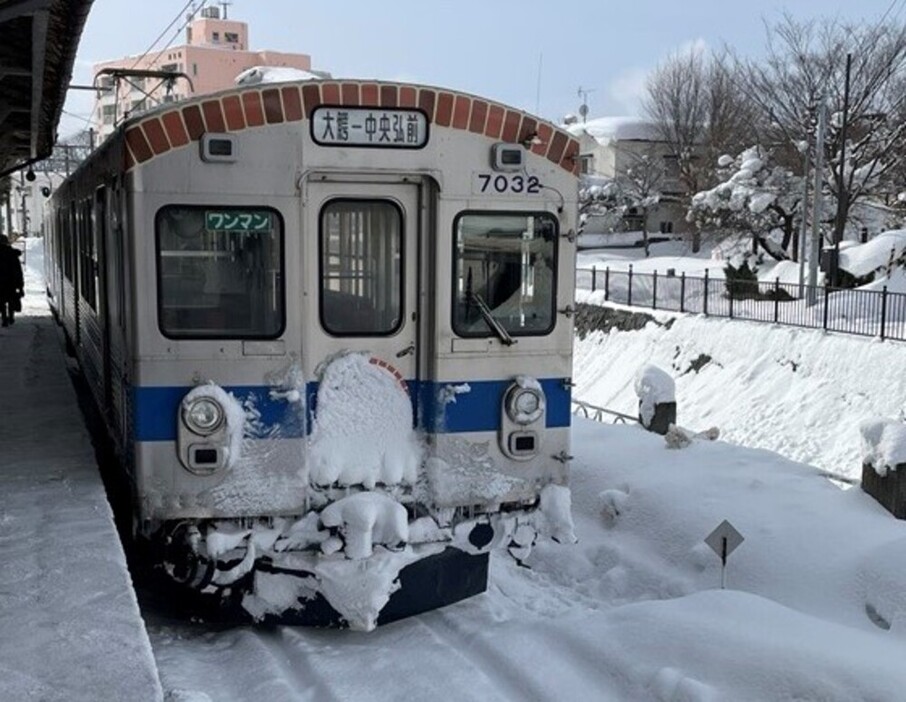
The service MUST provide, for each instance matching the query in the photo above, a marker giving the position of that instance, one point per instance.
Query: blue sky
(488, 47)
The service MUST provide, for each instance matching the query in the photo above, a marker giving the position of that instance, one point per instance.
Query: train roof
(178, 125)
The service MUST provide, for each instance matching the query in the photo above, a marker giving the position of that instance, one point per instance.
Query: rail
(590, 411)
(875, 313)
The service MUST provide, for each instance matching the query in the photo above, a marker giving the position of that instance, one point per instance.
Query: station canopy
(37, 53)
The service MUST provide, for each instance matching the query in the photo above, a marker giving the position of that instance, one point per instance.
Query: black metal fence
(875, 313)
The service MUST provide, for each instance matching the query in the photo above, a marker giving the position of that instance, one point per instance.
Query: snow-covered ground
(815, 604)
(632, 612)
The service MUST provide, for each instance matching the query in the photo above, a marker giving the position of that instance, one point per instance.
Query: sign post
(723, 541)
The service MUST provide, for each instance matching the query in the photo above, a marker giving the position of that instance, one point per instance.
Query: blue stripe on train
(156, 408)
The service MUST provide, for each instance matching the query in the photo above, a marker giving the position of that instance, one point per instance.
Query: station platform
(70, 626)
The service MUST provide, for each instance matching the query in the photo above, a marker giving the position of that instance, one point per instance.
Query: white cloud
(628, 88)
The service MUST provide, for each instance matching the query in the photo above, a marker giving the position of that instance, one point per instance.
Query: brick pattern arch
(247, 108)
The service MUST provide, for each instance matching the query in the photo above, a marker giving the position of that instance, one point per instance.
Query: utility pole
(803, 219)
(816, 202)
(843, 191)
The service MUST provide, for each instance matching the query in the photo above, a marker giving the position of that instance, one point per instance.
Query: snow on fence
(875, 313)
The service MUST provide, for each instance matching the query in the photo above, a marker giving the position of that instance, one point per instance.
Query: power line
(163, 33)
(176, 34)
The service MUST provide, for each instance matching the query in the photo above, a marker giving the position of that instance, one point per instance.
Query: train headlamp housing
(203, 415)
(524, 405)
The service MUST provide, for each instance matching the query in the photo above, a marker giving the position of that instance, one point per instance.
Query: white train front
(329, 328)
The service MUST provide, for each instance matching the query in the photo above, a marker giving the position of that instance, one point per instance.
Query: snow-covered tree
(805, 64)
(634, 191)
(756, 196)
(698, 108)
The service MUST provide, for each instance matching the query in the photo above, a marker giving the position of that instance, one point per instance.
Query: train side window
(220, 272)
(361, 254)
(505, 266)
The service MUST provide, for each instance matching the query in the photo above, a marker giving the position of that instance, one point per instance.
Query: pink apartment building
(215, 52)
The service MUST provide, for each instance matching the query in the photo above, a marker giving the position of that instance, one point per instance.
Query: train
(328, 327)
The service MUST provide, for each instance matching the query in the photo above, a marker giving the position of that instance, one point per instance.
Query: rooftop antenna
(583, 108)
(224, 4)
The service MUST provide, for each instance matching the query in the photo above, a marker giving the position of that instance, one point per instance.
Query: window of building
(504, 273)
(215, 37)
(194, 69)
(171, 67)
(361, 252)
(585, 163)
(220, 272)
(108, 113)
(666, 227)
(231, 37)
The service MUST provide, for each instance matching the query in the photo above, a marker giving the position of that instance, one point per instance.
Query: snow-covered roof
(273, 74)
(605, 130)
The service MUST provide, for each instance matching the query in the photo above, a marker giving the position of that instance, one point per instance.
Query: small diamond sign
(724, 539)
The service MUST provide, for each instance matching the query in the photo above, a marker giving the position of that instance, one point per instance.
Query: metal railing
(875, 313)
(590, 411)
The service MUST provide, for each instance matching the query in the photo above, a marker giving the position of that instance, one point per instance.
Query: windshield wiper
(489, 319)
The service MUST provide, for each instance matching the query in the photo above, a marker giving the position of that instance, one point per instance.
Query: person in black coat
(11, 281)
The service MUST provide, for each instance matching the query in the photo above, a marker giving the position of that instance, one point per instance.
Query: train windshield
(504, 275)
(219, 272)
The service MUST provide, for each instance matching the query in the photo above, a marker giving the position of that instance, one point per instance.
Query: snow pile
(556, 506)
(363, 431)
(875, 255)
(883, 444)
(365, 520)
(273, 74)
(653, 386)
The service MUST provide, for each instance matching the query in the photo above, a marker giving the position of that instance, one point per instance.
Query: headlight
(525, 405)
(203, 415)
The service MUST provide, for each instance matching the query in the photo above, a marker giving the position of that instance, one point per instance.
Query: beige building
(215, 53)
(629, 147)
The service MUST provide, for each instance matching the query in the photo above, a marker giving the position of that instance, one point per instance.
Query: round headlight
(526, 405)
(204, 415)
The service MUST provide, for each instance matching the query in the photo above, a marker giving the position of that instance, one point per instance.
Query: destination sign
(363, 126)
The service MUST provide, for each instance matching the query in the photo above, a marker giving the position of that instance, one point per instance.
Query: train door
(362, 256)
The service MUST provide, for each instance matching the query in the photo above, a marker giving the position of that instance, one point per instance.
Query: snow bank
(867, 258)
(363, 431)
(883, 444)
(799, 392)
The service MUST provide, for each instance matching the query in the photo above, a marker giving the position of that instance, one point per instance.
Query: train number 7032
(500, 183)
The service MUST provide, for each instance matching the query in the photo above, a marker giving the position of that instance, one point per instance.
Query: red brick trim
(350, 94)
(312, 96)
(273, 108)
(175, 127)
(232, 111)
(138, 145)
(249, 108)
(156, 136)
(194, 122)
(254, 111)
(330, 93)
